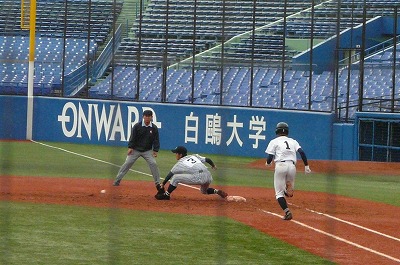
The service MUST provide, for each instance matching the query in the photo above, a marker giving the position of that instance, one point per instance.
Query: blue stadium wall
(203, 129)
(12, 117)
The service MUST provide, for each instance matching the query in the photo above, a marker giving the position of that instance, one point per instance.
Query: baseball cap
(180, 150)
(147, 113)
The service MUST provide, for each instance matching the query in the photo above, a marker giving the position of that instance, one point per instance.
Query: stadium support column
(362, 57)
(29, 114)
(193, 51)
(393, 97)
(165, 57)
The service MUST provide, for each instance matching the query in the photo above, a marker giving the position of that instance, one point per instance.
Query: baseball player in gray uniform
(191, 170)
(282, 150)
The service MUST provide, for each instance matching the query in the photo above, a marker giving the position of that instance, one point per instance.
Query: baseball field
(52, 211)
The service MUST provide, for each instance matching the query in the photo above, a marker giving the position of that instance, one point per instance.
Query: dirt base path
(368, 234)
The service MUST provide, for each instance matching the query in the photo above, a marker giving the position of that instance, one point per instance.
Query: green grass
(48, 234)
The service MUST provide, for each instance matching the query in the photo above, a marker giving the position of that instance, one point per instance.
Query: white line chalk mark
(337, 238)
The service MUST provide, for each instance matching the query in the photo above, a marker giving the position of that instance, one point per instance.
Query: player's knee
(152, 163)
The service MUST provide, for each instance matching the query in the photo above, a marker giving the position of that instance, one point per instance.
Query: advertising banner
(202, 129)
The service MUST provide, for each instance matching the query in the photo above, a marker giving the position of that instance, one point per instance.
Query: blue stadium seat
(48, 61)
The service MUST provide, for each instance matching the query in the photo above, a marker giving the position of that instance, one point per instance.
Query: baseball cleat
(162, 196)
(116, 183)
(160, 189)
(288, 216)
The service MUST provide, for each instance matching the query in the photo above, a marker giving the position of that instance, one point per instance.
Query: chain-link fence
(262, 54)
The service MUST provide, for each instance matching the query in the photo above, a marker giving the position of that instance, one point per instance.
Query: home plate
(233, 198)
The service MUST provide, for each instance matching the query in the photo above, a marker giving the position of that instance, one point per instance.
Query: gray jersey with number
(191, 170)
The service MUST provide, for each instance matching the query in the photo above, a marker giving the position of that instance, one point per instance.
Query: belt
(288, 161)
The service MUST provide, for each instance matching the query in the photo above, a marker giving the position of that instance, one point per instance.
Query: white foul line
(349, 223)
(356, 225)
(88, 157)
(102, 161)
(337, 238)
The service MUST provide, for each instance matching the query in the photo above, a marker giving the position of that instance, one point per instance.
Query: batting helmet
(282, 128)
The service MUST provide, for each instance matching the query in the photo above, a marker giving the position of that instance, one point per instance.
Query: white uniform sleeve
(297, 145)
(271, 148)
(201, 158)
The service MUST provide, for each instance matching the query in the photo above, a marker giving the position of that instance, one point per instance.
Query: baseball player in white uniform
(191, 170)
(282, 150)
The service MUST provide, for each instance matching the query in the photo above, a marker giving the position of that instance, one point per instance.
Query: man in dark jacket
(143, 142)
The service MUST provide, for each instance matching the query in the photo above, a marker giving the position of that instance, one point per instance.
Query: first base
(234, 198)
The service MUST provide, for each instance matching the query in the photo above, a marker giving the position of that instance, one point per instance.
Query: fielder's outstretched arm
(209, 161)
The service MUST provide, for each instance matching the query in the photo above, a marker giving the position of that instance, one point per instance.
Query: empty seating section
(325, 17)
(49, 54)
(266, 46)
(52, 20)
(238, 17)
(268, 49)
(267, 85)
(384, 58)
(152, 50)
(53, 24)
